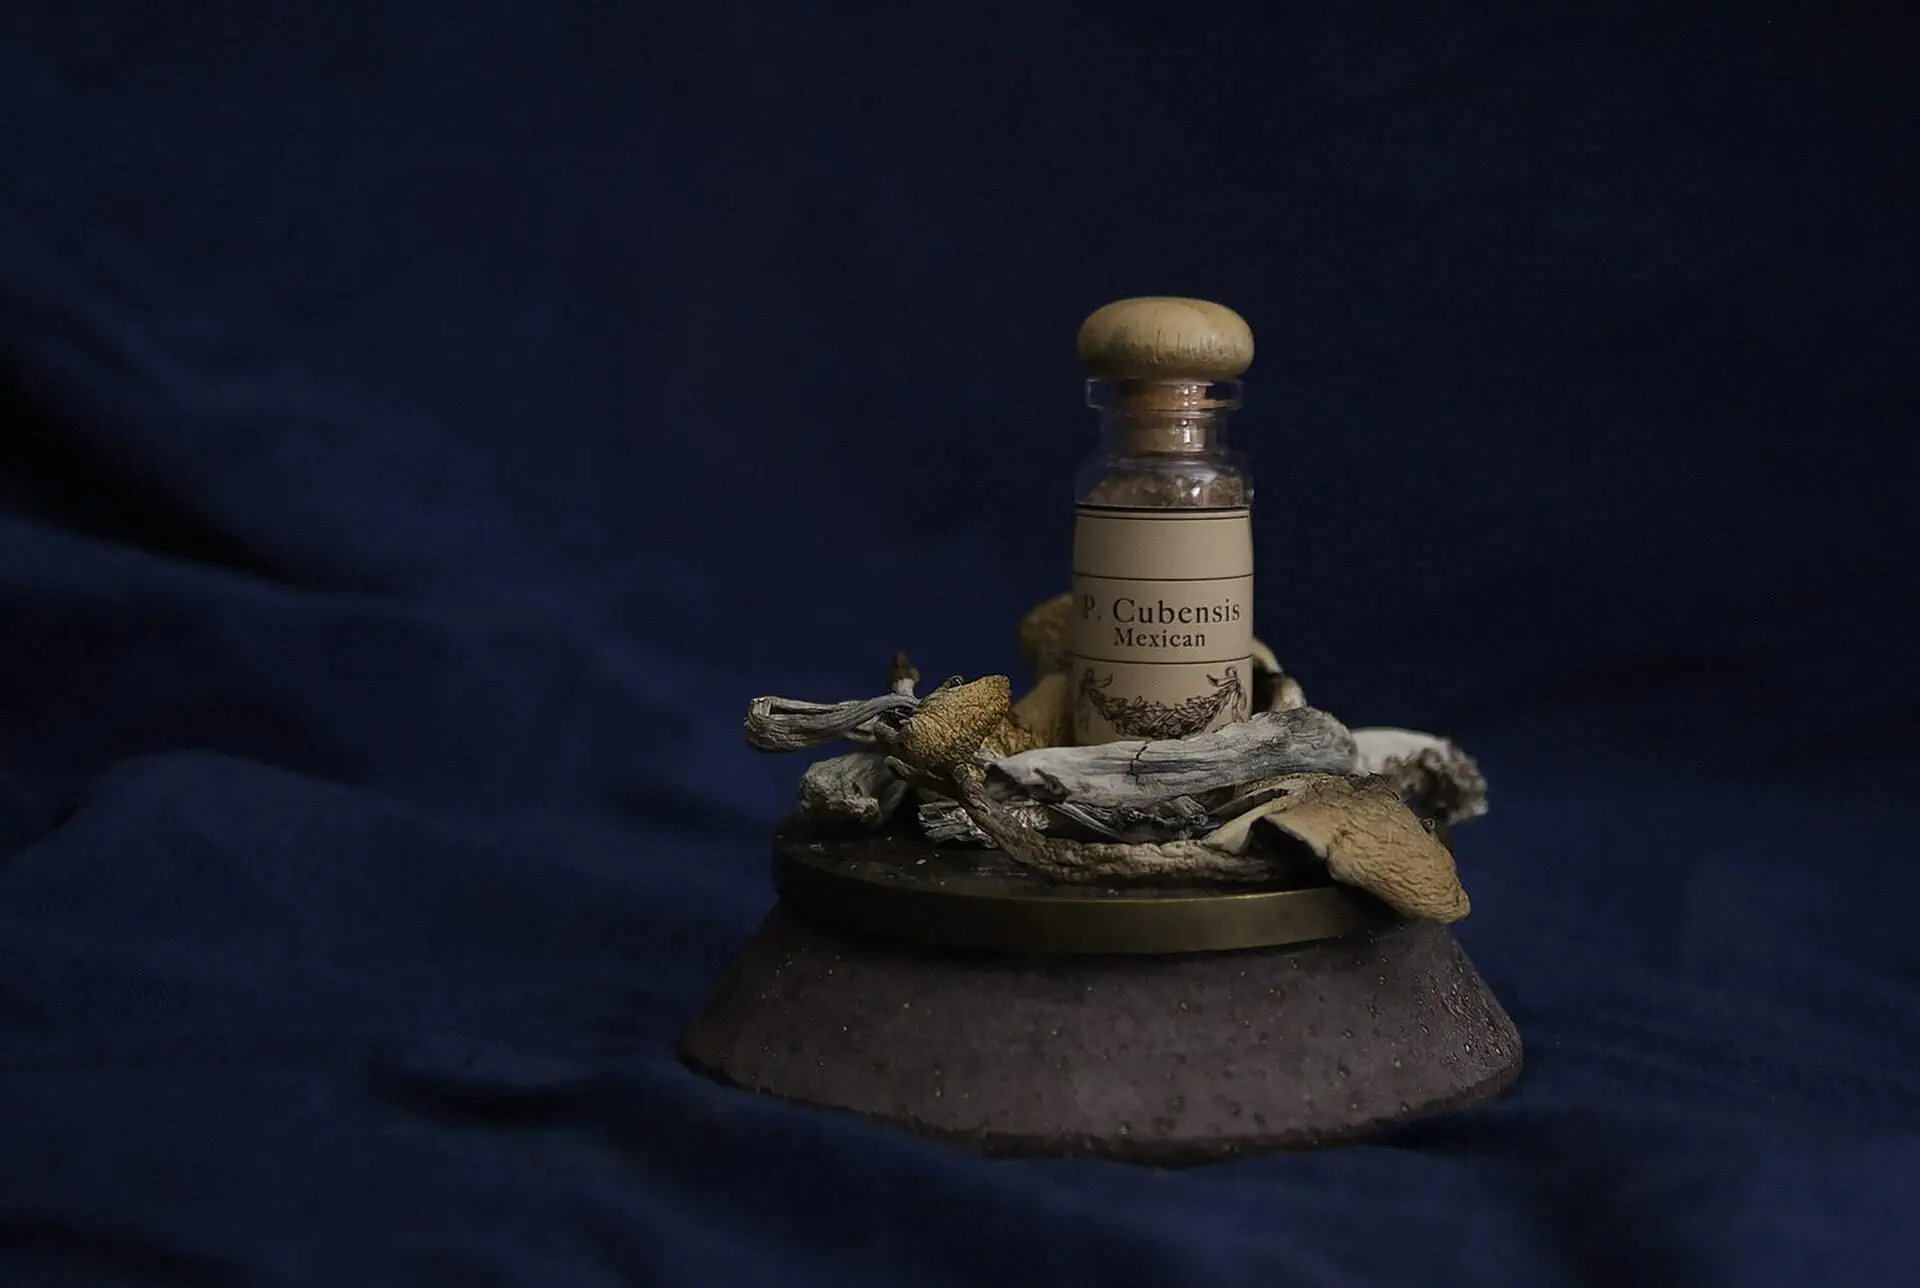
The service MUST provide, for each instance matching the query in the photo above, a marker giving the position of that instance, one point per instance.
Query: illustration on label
(1163, 622)
(1143, 717)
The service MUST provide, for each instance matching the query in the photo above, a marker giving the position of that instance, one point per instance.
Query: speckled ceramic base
(1167, 1059)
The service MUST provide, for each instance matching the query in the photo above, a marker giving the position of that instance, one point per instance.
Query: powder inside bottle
(1169, 490)
(1166, 461)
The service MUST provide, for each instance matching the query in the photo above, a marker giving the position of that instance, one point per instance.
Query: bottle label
(1163, 622)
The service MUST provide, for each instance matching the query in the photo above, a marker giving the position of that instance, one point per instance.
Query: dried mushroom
(990, 771)
(1433, 776)
(1046, 635)
(856, 789)
(951, 723)
(1046, 710)
(1369, 838)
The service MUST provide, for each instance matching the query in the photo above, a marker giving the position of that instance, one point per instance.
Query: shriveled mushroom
(1046, 635)
(1009, 738)
(1139, 772)
(1086, 861)
(944, 820)
(1368, 838)
(856, 789)
(1046, 710)
(1433, 776)
(950, 724)
(792, 724)
(1273, 688)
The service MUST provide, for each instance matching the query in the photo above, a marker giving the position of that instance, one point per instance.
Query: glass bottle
(1163, 545)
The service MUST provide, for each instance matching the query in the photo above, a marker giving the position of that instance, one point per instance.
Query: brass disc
(907, 887)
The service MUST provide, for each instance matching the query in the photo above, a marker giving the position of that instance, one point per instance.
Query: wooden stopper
(1164, 338)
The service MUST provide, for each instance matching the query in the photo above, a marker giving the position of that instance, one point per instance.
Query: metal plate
(906, 887)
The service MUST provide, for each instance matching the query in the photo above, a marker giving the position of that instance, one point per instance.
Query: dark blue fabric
(428, 425)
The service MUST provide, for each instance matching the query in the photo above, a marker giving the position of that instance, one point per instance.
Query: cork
(1164, 338)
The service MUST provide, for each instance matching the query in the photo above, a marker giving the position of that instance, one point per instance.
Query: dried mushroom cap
(1046, 711)
(1046, 635)
(1370, 839)
(1432, 775)
(1273, 688)
(951, 723)
(1010, 738)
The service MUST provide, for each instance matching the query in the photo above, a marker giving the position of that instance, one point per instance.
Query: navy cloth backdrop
(427, 426)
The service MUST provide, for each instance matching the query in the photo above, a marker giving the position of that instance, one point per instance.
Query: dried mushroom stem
(1089, 861)
(902, 676)
(945, 821)
(790, 724)
(856, 789)
(1360, 828)
(1139, 772)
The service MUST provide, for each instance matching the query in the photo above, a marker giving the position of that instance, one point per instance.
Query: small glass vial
(1163, 542)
